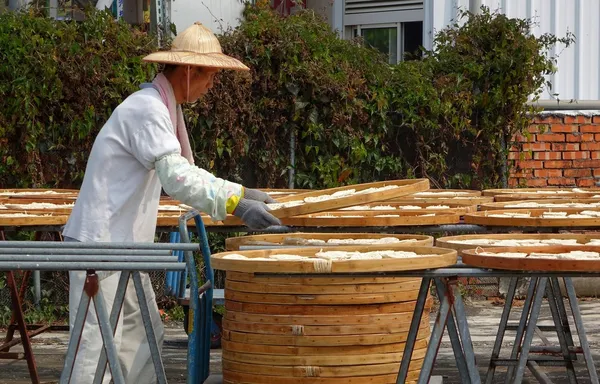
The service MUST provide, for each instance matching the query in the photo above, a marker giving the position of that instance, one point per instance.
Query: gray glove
(255, 194)
(255, 214)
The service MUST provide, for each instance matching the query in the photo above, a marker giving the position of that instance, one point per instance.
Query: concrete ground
(483, 317)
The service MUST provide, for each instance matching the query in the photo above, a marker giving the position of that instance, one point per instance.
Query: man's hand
(255, 194)
(255, 214)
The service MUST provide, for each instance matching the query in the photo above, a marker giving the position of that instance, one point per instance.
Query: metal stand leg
(560, 331)
(465, 335)
(152, 344)
(530, 330)
(413, 330)
(114, 317)
(585, 346)
(512, 288)
(521, 328)
(563, 316)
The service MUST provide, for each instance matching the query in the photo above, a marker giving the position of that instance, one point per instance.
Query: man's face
(201, 81)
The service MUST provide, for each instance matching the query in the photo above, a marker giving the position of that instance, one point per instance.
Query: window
(400, 41)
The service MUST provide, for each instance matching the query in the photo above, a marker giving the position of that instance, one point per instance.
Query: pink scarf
(162, 85)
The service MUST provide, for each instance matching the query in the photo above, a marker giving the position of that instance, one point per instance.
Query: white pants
(130, 336)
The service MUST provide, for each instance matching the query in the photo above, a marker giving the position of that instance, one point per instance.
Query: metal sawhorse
(451, 314)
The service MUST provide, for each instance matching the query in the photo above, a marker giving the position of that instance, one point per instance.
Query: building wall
(218, 15)
(578, 75)
(562, 150)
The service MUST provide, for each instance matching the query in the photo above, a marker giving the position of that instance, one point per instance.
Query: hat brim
(213, 60)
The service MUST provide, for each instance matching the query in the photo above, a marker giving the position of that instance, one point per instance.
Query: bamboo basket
(284, 327)
(469, 201)
(535, 219)
(405, 187)
(521, 196)
(454, 208)
(370, 219)
(446, 193)
(36, 219)
(447, 242)
(547, 203)
(301, 239)
(475, 258)
(552, 191)
(37, 193)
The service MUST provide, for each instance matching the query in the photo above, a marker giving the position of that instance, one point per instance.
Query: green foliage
(59, 82)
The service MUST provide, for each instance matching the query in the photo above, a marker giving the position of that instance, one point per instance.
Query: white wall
(218, 15)
(578, 75)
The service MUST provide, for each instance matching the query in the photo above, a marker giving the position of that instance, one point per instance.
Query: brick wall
(561, 150)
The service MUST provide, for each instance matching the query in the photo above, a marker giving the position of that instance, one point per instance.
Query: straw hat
(196, 46)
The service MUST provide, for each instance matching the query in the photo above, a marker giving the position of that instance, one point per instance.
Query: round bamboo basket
(552, 191)
(446, 193)
(468, 200)
(535, 196)
(535, 219)
(38, 193)
(478, 258)
(542, 203)
(302, 239)
(32, 219)
(450, 241)
(459, 209)
(371, 219)
(292, 326)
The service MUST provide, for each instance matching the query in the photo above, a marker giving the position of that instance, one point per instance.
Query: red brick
(550, 119)
(521, 173)
(561, 181)
(596, 120)
(586, 163)
(528, 164)
(515, 155)
(577, 172)
(574, 119)
(588, 182)
(524, 139)
(561, 128)
(537, 182)
(597, 137)
(590, 146)
(536, 147)
(595, 155)
(580, 137)
(579, 155)
(546, 155)
(534, 128)
(589, 129)
(555, 137)
(565, 146)
(513, 182)
(548, 173)
(596, 172)
(558, 164)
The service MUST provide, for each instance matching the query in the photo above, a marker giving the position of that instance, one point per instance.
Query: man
(142, 147)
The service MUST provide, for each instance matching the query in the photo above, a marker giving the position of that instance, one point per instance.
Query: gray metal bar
(585, 346)
(82, 266)
(521, 329)
(114, 318)
(553, 349)
(465, 335)
(537, 373)
(564, 318)
(533, 317)
(82, 258)
(413, 330)
(107, 337)
(150, 335)
(90, 252)
(566, 105)
(560, 332)
(84, 304)
(435, 340)
(99, 245)
(37, 287)
(443, 289)
(512, 287)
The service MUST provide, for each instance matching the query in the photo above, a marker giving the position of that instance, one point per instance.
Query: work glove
(255, 194)
(255, 214)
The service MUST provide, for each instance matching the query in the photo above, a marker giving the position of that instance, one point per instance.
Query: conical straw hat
(196, 46)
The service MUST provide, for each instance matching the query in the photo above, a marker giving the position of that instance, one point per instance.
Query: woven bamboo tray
(483, 218)
(474, 258)
(552, 191)
(446, 242)
(447, 193)
(406, 187)
(454, 208)
(37, 193)
(369, 219)
(319, 328)
(468, 201)
(48, 218)
(521, 196)
(428, 257)
(548, 203)
(300, 239)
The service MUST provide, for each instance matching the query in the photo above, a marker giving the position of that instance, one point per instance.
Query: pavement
(483, 318)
